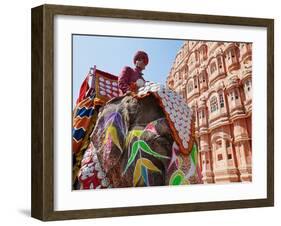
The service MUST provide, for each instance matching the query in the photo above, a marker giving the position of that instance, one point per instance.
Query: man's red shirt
(127, 77)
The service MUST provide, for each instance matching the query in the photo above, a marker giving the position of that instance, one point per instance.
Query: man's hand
(133, 87)
(140, 83)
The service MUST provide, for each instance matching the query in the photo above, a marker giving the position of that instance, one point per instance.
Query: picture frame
(43, 82)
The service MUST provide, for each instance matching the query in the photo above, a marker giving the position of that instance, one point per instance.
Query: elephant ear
(109, 134)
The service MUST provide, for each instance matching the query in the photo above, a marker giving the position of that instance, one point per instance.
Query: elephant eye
(156, 137)
(161, 140)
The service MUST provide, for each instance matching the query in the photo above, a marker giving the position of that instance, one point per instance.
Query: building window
(227, 144)
(202, 78)
(218, 144)
(195, 83)
(232, 96)
(190, 87)
(232, 53)
(213, 67)
(229, 156)
(201, 114)
(219, 62)
(192, 59)
(221, 100)
(228, 55)
(214, 104)
(236, 95)
(248, 85)
(220, 157)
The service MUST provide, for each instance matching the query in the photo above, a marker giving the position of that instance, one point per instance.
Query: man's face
(140, 63)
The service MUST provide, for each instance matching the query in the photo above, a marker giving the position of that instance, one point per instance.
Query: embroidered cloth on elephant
(178, 114)
(106, 86)
(82, 119)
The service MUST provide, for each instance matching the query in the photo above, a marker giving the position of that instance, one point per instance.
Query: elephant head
(132, 145)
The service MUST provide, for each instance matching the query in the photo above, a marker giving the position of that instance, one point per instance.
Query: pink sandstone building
(215, 78)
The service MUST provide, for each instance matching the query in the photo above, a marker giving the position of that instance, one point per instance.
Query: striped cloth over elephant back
(84, 119)
(86, 110)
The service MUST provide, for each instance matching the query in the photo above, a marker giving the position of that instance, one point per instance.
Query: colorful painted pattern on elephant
(107, 136)
(117, 150)
(184, 169)
(181, 169)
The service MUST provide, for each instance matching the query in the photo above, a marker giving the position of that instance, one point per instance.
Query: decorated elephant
(138, 139)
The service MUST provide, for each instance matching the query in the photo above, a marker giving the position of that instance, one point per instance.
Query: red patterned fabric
(127, 77)
(106, 86)
(83, 90)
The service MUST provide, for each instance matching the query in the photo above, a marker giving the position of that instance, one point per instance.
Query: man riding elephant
(143, 137)
(131, 78)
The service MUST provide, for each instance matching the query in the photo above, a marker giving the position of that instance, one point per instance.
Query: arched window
(190, 86)
(248, 85)
(220, 157)
(214, 104)
(203, 53)
(232, 54)
(195, 83)
(221, 100)
(202, 78)
(227, 144)
(228, 55)
(213, 67)
(234, 94)
(219, 62)
(185, 69)
(201, 114)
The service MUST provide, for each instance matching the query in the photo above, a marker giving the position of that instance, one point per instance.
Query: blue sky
(111, 54)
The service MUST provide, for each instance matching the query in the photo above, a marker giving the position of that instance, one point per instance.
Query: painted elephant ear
(108, 137)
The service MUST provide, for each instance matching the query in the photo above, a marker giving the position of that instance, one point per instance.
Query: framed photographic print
(141, 112)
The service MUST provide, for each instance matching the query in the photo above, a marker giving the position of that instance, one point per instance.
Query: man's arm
(124, 80)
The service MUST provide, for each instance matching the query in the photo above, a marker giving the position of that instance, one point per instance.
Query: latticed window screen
(214, 104)
(221, 100)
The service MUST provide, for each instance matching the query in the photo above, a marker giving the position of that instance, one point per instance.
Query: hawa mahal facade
(215, 78)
